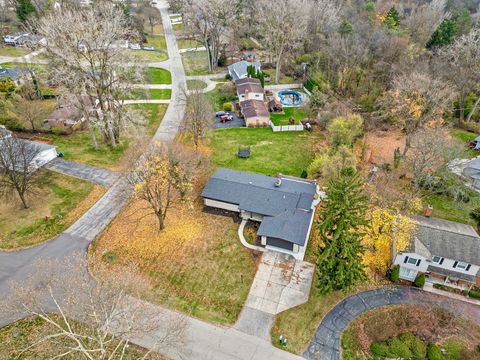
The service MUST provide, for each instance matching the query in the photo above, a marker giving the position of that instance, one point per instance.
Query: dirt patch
(382, 144)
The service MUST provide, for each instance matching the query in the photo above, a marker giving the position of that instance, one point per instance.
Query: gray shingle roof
(12, 73)
(238, 70)
(286, 209)
(473, 169)
(449, 239)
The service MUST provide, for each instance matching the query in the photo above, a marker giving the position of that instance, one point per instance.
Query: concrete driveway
(237, 122)
(280, 283)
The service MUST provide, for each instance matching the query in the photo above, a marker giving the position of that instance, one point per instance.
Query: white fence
(277, 128)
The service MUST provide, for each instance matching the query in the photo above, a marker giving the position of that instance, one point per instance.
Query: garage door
(280, 243)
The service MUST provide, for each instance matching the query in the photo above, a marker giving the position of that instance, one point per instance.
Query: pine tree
(444, 35)
(339, 263)
(392, 19)
(24, 9)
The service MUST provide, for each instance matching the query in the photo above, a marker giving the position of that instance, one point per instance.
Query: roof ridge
(450, 231)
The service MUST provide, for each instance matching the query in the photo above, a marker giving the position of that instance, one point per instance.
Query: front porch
(453, 279)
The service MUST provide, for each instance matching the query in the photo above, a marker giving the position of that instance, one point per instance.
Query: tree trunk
(161, 221)
(24, 200)
(407, 145)
(474, 108)
(461, 103)
(92, 134)
(209, 56)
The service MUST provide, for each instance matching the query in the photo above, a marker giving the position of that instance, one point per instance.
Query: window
(437, 259)
(462, 265)
(407, 274)
(412, 261)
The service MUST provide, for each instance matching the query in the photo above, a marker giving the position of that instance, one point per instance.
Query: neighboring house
(249, 89)
(255, 113)
(472, 172)
(66, 118)
(17, 75)
(238, 70)
(447, 252)
(284, 206)
(14, 39)
(44, 152)
(23, 38)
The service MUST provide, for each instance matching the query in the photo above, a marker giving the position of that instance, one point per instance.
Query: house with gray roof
(17, 75)
(238, 70)
(445, 251)
(284, 206)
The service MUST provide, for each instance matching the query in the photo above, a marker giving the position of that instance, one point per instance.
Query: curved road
(326, 343)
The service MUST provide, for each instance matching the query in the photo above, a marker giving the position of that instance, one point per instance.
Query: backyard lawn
(284, 79)
(158, 42)
(78, 146)
(464, 137)
(151, 56)
(158, 76)
(188, 43)
(285, 152)
(196, 265)
(195, 63)
(196, 84)
(18, 336)
(288, 112)
(62, 198)
(13, 51)
(449, 209)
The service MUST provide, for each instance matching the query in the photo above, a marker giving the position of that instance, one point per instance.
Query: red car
(226, 117)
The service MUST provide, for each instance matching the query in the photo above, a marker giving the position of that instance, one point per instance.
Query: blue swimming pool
(290, 97)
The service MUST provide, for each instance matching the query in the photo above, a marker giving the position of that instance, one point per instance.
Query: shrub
(399, 349)
(415, 344)
(434, 353)
(304, 174)
(228, 77)
(420, 280)
(380, 348)
(395, 273)
(474, 293)
(328, 165)
(227, 106)
(345, 130)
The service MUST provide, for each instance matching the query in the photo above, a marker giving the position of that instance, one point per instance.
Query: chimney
(428, 210)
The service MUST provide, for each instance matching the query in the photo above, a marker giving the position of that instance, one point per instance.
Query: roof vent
(278, 183)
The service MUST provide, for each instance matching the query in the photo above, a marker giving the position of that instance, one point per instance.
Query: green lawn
(158, 42)
(188, 43)
(12, 51)
(56, 196)
(177, 27)
(285, 152)
(284, 79)
(158, 76)
(464, 137)
(78, 146)
(196, 84)
(151, 56)
(154, 94)
(196, 63)
(446, 208)
(288, 112)
(221, 94)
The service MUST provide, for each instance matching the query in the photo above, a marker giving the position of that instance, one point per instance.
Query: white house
(249, 89)
(283, 205)
(446, 252)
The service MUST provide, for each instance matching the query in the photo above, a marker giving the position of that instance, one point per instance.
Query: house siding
(221, 205)
(257, 121)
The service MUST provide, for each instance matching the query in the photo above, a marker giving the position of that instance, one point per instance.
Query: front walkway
(102, 177)
(281, 282)
(326, 344)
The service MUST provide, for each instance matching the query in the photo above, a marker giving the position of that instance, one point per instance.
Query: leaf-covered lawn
(62, 198)
(271, 153)
(13, 51)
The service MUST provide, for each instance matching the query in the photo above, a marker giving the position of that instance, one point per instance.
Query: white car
(149, 48)
(135, 47)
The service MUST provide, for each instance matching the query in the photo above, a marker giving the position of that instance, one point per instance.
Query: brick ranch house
(284, 206)
(447, 252)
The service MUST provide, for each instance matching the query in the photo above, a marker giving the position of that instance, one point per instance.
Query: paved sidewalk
(326, 343)
(96, 175)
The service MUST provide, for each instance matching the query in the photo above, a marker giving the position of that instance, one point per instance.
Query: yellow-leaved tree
(387, 230)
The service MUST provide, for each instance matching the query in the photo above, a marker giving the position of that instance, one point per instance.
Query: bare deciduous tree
(30, 113)
(283, 24)
(91, 318)
(460, 65)
(417, 99)
(425, 19)
(17, 166)
(198, 114)
(210, 20)
(163, 176)
(91, 59)
(431, 150)
(146, 12)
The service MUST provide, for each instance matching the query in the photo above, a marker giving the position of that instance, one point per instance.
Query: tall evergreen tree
(444, 35)
(392, 19)
(24, 9)
(339, 263)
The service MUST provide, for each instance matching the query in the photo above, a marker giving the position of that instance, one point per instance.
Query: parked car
(226, 117)
(220, 113)
(149, 48)
(135, 47)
